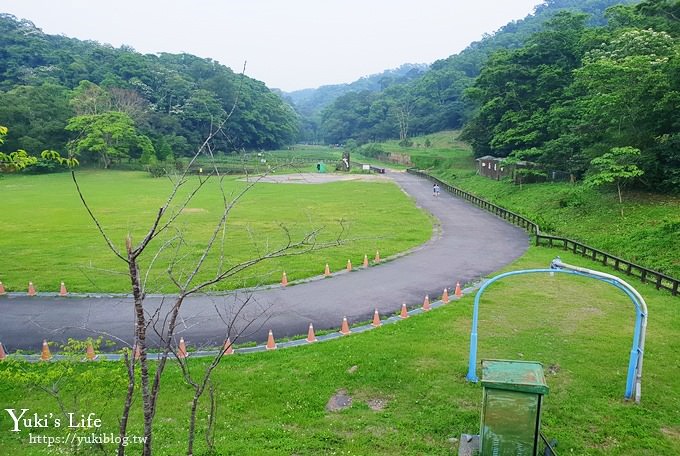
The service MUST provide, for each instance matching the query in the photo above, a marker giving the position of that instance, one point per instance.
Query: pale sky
(288, 44)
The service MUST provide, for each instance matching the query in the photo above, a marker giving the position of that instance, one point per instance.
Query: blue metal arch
(637, 349)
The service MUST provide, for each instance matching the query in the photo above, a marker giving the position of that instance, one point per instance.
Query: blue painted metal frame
(635, 352)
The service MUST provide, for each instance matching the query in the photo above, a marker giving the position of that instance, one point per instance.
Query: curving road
(470, 243)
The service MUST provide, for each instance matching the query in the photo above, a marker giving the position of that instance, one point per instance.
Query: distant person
(435, 190)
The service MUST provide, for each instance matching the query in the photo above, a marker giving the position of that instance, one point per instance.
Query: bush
(45, 167)
(157, 170)
(372, 150)
(574, 198)
(180, 165)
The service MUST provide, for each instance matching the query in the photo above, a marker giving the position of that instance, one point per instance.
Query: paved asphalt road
(469, 244)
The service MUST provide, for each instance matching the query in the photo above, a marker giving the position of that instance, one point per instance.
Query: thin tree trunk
(210, 428)
(192, 423)
(122, 433)
(140, 331)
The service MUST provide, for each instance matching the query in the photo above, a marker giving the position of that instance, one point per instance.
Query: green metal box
(511, 408)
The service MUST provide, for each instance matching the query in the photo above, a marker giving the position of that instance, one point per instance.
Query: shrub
(157, 170)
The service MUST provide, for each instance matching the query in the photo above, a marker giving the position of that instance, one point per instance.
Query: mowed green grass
(46, 235)
(274, 403)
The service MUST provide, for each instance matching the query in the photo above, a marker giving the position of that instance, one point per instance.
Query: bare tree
(187, 281)
(90, 99)
(130, 102)
(403, 109)
(231, 317)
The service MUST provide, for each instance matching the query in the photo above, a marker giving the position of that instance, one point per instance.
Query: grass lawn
(274, 403)
(648, 234)
(46, 235)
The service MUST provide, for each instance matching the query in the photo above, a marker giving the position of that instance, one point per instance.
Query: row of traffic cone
(182, 353)
(271, 343)
(327, 269)
(46, 355)
(32, 292)
(344, 327)
(90, 355)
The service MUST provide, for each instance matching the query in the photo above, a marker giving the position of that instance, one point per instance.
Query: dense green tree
(112, 136)
(19, 160)
(625, 94)
(517, 89)
(348, 118)
(618, 166)
(16, 160)
(573, 94)
(36, 115)
(438, 93)
(167, 96)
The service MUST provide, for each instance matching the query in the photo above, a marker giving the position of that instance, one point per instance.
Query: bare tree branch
(96, 222)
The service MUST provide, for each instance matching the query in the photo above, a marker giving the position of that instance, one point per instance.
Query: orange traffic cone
(365, 261)
(90, 355)
(62, 290)
(182, 349)
(377, 256)
(458, 291)
(349, 265)
(376, 319)
(31, 289)
(404, 311)
(327, 271)
(45, 355)
(311, 337)
(445, 296)
(344, 329)
(426, 303)
(228, 349)
(271, 344)
(3, 355)
(2, 289)
(284, 279)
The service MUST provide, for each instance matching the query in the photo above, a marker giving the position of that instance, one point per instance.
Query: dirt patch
(402, 159)
(553, 369)
(339, 401)
(671, 432)
(608, 444)
(352, 369)
(377, 404)
(320, 178)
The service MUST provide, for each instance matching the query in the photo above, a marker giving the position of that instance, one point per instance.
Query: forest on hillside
(435, 100)
(581, 87)
(108, 104)
(584, 95)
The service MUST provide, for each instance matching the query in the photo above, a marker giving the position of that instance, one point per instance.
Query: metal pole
(634, 378)
(641, 305)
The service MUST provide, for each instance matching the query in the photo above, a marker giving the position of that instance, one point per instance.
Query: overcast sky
(288, 44)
